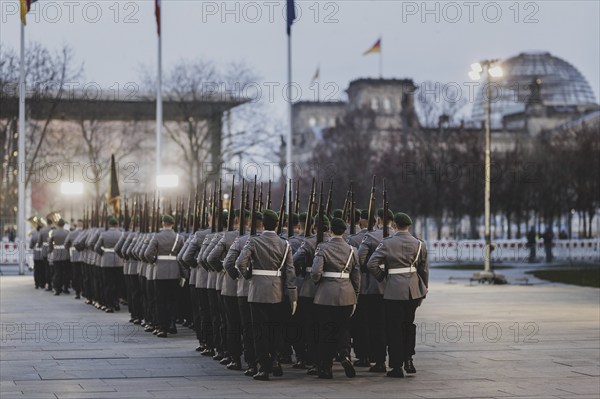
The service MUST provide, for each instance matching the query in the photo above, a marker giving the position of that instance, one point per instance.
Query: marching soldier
(406, 275)
(43, 245)
(162, 250)
(39, 271)
(266, 261)
(336, 273)
(76, 258)
(58, 256)
(373, 296)
(111, 265)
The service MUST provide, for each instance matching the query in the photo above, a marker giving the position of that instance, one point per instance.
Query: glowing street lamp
(167, 181)
(71, 189)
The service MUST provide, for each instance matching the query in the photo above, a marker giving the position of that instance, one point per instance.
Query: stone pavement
(540, 341)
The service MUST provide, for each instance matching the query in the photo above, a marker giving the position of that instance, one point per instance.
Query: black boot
(326, 373)
(409, 367)
(395, 373)
(378, 368)
(277, 369)
(250, 371)
(348, 368)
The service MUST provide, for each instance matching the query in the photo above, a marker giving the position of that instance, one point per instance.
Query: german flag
(25, 7)
(114, 197)
(376, 48)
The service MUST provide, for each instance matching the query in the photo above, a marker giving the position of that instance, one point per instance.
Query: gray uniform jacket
(401, 251)
(365, 250)
(43, 240)
(207, 244)
(190, 271)
(90, 245)
(190, 257)
(355, 240)
(33, 244)
(105, 247)
(73, 253)
(243, 285)
(216, 257)
(56, 245)
(303, 260)
(162, 251)
(340, 258)
(268, 252)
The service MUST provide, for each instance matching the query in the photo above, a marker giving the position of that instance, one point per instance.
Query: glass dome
(561, 84)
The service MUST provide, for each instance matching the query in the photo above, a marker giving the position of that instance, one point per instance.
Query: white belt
(59, 247)
(166, 257)
(272, 273)
(309, 270)
(37, 249)
(45, 244)
(108, 249)
(336, 274)
(402, 270)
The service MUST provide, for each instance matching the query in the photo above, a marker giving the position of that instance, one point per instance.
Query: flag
(291, 16)
(317, 74)
(113, 193)
(25, 7)
(157, 13)
(376, 48)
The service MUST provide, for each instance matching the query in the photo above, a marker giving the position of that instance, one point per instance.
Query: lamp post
(490, 70)
(71, 189)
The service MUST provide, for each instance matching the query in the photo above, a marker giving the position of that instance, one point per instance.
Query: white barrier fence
(451, 251)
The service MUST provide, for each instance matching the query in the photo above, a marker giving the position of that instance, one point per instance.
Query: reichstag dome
(561, 86)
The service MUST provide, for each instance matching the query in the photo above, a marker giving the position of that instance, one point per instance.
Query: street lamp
(71, 189)
(167, 181)
(490, 70)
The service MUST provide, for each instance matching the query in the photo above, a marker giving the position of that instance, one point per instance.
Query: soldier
(359, 322)
(95, 272)
(303, 260)
(39, 271)
(266, 261)
(162, 250)
(43, 245)
(336, 273)
(407, 277)
(373, 295)
(76, 258)
(79, 245)
(111, 265)
(58, 256)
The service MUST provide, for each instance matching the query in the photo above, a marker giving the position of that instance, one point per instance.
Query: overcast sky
(114, 39)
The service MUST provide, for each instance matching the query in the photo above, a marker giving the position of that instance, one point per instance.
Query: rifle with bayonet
(269, 197)
(329, 200)
(253, 211)
(386, 229)
(219, 212)
(281, 212)
(297, 204)
(260, 199)
(290, 211)
(309, 210)
(372, 207)
(231, 215)
(352, 213)
(320, 219)
(126, 217)
(243, 209)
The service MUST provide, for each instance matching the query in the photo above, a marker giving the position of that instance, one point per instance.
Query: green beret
(338, 213)
(246, 213)
(61, 222)
(358, 214)
(270, 219)
(257, 215)
(325, 220)
(364, 214)
(168, 219)
(294, 219)
(389, 212)
(112, 221)
(302, 217)
(402, 219)
(338, 226)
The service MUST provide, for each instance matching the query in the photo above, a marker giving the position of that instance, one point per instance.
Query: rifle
(281, 213)
(120, 214)
(372, 207)
(105, 215)
(297, 204)
(329, 200)
(242, 209)
(290, 210)
(310, 208)
(157, 219)
(320, 215)
(188, 217)
(231, 208)
(269, 197)
(253, 211)
(386, 230)
(219, 213)
(134, 214)
(352, 213)
(260, 201)
(126, 218)
(213, 226)
(347, 203)
(203, 209)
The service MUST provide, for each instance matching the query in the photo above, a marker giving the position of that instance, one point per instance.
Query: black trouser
(549, 256)
(376, 327)
(400, 329)
(215, 318)
(166, 302)
(151, 301)
(76, 281)
(223, 318)
(39, 273)
(291, 331)
(359, 330)
(67, 273)
(247, 331)
(143, 282)
(195, 305)
(205, 317)
(334, 332)
(86, 279)
(310, 328)
(267, 323)
(58, 277)
(134, 301)
(110, 279)
(98, 285)
(234, 326)
(49, 269)
(184, 302)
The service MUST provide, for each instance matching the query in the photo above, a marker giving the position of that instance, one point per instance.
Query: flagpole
(290, 168)
(380, 59)
(159, 108)
(21, 157)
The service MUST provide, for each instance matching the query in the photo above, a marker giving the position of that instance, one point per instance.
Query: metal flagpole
(159, 109)
(21, 158)
(290, 167)
(380, 59)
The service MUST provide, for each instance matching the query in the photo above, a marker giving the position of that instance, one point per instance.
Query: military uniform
(406, 275)
(76, 263)
(39, 269)
(335, 271)
(266, 261)
(359, 321)
(111, 265)
(43, 245)
(58, 256)
(211, 290)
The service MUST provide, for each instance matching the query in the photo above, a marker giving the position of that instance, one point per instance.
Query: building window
(387, 105)
(374, 104)
(312, 122)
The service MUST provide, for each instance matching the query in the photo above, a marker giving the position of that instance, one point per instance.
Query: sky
(420, 40)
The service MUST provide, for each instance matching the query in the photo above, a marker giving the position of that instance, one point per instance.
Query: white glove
(353, 310)
(294, 306)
